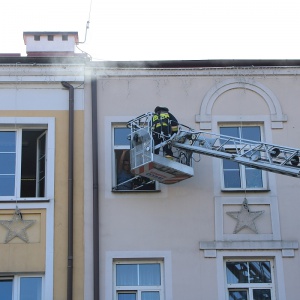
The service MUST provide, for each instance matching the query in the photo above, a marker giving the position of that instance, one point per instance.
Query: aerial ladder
(187, 142)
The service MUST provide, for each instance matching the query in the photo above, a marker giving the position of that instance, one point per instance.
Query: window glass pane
(260, 272)
(7, 141)
(238, 295)
(31, 288)
(7, 163)
(124, 173)
(253, 178)
(230, 165)
(120, 136)
(232, 179)
(251, 133)
(7, 185)
(127, 296)
(230, 131)
(262, 294)
(150, 295)
(6, 289)
(149, 274)
(127, 274)
(237, 272)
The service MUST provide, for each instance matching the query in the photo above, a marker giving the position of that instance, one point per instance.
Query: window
(37, 37)
(138, 280)
(250, 280)
(64, 37)
(21, 288)
(237, 176)
(50, 37)
(23, 163)
(123, 179)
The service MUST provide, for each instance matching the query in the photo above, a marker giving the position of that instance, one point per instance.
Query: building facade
(37, 188)
(227, 233)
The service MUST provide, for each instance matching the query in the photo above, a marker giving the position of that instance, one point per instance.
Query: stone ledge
(287, 247)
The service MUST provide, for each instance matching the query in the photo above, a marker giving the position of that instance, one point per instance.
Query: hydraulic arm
(186, 142)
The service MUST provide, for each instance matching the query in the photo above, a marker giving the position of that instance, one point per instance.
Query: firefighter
(164, 125)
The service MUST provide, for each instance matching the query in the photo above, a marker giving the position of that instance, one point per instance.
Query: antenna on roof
(87, 25)
(86, 28)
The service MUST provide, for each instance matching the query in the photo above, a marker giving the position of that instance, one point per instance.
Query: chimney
(50, 43)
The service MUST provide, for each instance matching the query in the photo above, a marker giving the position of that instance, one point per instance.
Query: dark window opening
(33, 164)
(64, 37)
(50, 37)
(131, 182)
(37, 37)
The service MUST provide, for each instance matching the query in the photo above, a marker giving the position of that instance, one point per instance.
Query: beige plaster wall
(181, 215)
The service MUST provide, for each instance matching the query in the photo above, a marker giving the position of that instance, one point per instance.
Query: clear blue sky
(161, 29)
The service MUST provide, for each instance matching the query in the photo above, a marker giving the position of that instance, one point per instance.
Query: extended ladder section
(185, 143)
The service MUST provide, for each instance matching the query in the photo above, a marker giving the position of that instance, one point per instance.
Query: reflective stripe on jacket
(160, 120)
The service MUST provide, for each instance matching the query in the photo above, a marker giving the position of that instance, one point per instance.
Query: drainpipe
(70, 190)
(95, 189)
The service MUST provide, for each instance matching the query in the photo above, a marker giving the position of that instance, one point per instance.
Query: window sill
(135, 191)
(23, 200)
(245, 190)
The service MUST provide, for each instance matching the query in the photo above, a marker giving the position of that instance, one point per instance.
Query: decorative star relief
(245, 218)
(17, 227)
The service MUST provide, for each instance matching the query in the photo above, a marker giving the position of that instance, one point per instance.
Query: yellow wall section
(23, 256)
(19, 256)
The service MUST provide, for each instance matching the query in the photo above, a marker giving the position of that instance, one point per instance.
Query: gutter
(95, 189)
(70, 190)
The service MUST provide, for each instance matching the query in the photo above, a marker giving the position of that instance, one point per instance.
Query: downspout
(70, 190)
(95, 189)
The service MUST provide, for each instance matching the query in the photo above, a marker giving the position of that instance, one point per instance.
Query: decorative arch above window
(205, 116)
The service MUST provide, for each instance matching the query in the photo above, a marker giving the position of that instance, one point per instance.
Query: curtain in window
(127, 296)
(150, 295)
(127, 275)
(149, 274)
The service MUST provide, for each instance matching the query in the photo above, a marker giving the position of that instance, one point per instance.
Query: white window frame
(139, 288)
(18, 124)
(162, 256)
(250, 286)
(242, 167)
(16, 284)
(278, 271)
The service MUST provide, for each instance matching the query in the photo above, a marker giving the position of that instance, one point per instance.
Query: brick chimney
(50, 43)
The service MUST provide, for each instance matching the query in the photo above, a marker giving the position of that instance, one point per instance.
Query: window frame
(16, 284)
(242, 168)
(249, 287)
(138, 289)
(18, 125)
(115, 162)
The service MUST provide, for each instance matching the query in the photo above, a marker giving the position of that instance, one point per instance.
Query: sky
(161, 29)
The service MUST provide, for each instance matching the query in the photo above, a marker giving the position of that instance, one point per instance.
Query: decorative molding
(205, 116)
(245, 217)
(287, 247)
(270, 201)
